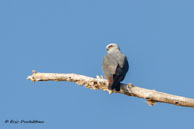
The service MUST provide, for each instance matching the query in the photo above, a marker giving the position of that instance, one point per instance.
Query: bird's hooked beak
(107, 48)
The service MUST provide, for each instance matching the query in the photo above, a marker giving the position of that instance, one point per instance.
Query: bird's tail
(115, 83)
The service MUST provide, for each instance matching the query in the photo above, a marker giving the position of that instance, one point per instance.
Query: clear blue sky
(69, 36)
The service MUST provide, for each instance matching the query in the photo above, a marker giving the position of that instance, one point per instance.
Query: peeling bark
(151, 96)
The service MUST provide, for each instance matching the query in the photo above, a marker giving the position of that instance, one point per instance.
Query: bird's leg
(110, 81)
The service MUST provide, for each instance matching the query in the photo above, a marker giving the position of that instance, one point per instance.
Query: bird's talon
(110, 91)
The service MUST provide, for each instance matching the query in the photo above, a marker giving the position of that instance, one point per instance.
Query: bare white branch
(151, 96)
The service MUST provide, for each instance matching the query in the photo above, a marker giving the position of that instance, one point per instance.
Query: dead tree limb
(151, 96)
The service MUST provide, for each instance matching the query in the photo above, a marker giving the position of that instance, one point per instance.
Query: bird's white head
(112, 47)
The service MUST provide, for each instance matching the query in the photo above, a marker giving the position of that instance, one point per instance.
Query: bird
(115, 66)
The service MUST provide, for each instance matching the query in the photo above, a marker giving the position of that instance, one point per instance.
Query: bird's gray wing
(109, 64)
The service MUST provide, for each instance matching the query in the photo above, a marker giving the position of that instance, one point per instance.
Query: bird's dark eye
(110, 46)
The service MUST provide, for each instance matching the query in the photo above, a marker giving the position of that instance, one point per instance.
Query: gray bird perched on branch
(115, 66)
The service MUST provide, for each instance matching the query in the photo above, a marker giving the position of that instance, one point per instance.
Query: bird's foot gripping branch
(151, 96)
